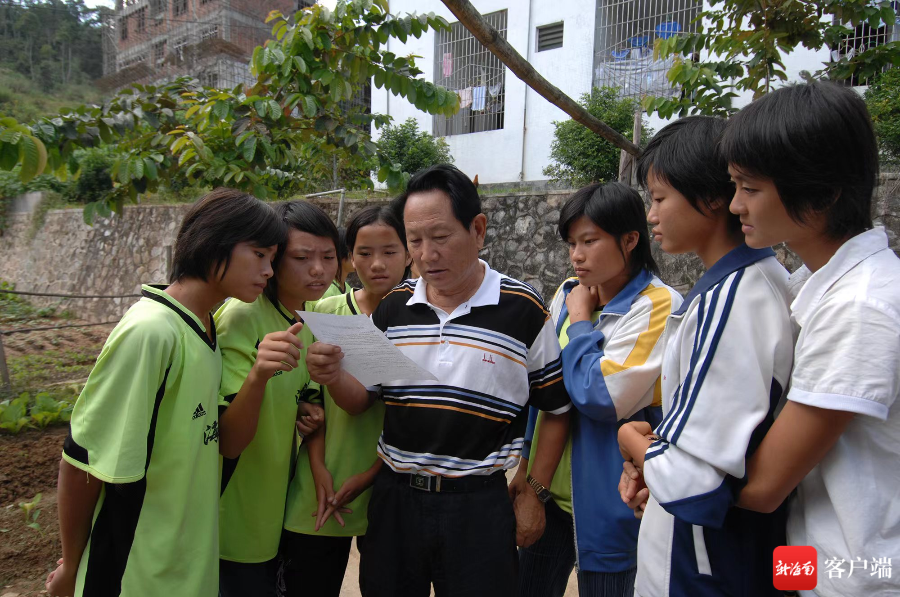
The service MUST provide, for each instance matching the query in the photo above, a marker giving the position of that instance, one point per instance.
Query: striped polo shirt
(496, 354)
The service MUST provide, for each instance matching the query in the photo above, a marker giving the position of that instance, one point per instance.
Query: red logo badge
(794, 568)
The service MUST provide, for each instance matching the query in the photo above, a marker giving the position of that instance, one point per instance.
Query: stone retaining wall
(116, 255)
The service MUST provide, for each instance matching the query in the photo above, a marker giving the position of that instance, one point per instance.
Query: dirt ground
(55, 361)
(66, 339)
(29, 464)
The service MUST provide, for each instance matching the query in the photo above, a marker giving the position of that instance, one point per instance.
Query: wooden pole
(627, 162)
(636, 139)
(4, 370)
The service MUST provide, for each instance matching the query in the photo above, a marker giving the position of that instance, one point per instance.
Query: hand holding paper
(368, 355)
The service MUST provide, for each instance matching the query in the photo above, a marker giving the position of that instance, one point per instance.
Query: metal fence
(865, 37)
(478, 77)
(626, 32)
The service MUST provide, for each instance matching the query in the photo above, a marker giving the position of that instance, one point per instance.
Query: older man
(440, 513)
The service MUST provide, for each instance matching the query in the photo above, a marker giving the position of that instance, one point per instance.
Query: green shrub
(883, 100)
(93, 182)
(47, 410)
(14, 414)
(22, 412)
(413, 149)
(581, 156)
(10, 185)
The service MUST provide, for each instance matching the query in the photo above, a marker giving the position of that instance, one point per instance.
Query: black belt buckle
(425, 482)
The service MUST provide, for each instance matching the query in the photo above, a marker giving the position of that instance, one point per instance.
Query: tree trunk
(30, 46)
(499, 47)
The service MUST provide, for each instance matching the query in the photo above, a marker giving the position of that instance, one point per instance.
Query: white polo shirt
(847, 358)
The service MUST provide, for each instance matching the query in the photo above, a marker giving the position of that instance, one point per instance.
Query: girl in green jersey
(255, 482)
(140, 470)
(328, 496)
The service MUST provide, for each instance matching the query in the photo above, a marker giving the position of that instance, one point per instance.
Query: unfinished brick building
(151, 41)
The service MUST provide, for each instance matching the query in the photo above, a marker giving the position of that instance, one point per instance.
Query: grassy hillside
(24, 101)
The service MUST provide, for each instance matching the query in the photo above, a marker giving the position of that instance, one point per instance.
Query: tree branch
(499, 47)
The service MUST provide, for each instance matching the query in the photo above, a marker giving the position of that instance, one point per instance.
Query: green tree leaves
(741, 45)
(404, 150)
(883, 101)
(18, 145)
(580, 155)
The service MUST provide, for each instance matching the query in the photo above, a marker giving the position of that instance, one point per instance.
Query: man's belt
(439, 484)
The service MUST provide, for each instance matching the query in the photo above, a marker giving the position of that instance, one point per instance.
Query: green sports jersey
(146, 424)
(350, 443)
(561, 485)
(333, 290)
(255, 484)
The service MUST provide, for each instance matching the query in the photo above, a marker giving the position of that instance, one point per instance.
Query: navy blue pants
(545, 566)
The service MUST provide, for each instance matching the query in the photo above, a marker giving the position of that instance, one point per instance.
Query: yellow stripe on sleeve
(640, 352)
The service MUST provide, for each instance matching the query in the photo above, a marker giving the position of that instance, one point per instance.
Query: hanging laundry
(465, 97)
(448, 64)
(494, 90)
(478, 98)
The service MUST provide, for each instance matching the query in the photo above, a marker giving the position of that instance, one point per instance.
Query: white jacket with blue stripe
(728, 359)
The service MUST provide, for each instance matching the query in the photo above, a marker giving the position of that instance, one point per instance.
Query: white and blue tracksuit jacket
(729, 350)
(611, 370)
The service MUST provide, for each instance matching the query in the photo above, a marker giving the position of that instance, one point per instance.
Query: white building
(504, 129)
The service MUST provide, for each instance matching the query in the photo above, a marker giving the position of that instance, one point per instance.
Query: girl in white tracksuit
(727, 362)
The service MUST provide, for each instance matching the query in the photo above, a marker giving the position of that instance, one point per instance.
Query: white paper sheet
(368, 355)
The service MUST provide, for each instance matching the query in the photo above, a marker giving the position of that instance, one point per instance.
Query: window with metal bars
(464, 66)
(179, 8)
(625, 35)
(123, 28)
(864, 37)
(141, 17)
(209, 79)
(157, 7)
(159, 52)
(549, 37)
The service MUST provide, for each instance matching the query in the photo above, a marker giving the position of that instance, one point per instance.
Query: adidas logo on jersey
(198, 412)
